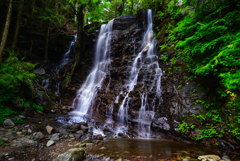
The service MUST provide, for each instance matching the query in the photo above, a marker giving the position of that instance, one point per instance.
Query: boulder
(39, 71)
(41, 99)
(209, 158)
(76, 154)
(8, 124)
(24, 142)
(17, 104)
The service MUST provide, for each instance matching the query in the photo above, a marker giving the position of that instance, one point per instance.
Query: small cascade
(86, 95)
(65, 60)
(145, 60)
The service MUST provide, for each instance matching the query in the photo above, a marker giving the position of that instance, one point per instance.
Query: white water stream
(85, 98)
(149, 62)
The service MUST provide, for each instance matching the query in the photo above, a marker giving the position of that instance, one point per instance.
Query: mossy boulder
(76, 154)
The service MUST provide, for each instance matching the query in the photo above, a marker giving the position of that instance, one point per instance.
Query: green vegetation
(18, 121)
(1, 143)
(13, 73)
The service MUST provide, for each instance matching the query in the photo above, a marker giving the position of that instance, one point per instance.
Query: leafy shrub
(13, 72)
(18, 121)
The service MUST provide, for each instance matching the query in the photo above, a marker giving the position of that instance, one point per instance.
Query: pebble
(29, 131)
(50, 143)
(55, 137)
(71, 139)
(103, 148)
(49, 129)
(89, 144)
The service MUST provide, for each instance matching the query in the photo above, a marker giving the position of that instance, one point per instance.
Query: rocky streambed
(58, 137)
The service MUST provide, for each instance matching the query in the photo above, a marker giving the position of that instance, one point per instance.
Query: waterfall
(146, 59)
(65, 60)
(86, 94)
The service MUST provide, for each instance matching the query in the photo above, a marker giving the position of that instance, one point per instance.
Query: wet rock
(18, 104)
(75, 127)
(8, 124)
(29, 131)
(55, 137)
(50, 143)
(39, 135)
(89, 144)
(77, 137)
(42, 100)
(28, 112)
(49, 129)
(63, 131)
(80, 145)
(23, 142)
(123, 22)
(103, 148)
(19, 133)
(161, 123)
(39, 71)
(72, 139)
(226, 158)
(76, 154)
(87, 140)
(209, 158)
(84, 128)
(6, 140)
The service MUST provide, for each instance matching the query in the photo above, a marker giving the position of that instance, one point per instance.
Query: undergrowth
(14, 72)
(209, 42)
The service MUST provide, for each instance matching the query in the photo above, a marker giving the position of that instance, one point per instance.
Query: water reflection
(151, 149)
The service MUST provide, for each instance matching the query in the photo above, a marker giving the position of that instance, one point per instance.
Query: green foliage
(4, 113)
(18, 121)
(180, 86)
(12, 73)
(1, 143)
(164, 57)
(37, 107)
(211, 44)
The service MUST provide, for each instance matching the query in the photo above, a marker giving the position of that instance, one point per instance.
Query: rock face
(178, 93)
(8, 124)
(76, 154)
(124, 21)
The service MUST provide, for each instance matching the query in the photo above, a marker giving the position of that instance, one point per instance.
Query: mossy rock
(76, 154)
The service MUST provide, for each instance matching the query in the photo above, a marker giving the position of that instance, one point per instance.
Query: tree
(17, 26)
(6, 27)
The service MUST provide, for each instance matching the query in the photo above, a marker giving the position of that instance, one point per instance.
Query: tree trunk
(18, 22)
(76, 8)
(131, 11)
(46, 43)
(5, 32)
(79, 44)
(116, 9)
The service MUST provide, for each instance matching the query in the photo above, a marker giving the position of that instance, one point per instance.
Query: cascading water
(146, 59)
(65, 59)
(86, 95)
